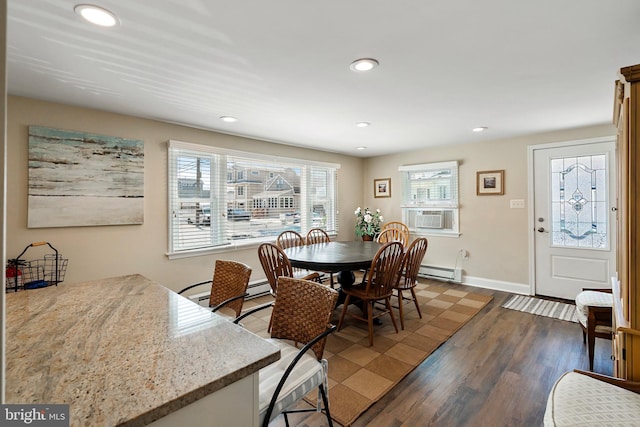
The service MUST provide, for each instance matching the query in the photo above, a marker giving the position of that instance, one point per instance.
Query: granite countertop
(121, 351)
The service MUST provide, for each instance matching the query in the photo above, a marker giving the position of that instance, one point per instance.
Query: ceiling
(282, 66)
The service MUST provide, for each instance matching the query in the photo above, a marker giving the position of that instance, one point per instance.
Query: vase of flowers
(368, 223)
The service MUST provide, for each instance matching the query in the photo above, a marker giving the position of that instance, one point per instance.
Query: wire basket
(47, 271)
(37, 273)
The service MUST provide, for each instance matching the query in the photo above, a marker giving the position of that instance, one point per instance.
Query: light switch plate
(516, 204)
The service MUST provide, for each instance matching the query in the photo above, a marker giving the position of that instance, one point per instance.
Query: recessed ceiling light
(228, 119)
(363, 124)
(480, 129)
(364, 64)
(361, 148)
(96, 15)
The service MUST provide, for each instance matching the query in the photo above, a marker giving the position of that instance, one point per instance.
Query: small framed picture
(382, 187)
(490, 183)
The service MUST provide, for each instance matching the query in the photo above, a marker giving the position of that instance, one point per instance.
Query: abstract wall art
(84, 179)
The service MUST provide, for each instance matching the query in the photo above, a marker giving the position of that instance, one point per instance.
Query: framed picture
(382, 187)
(84, 179)
(490, 183)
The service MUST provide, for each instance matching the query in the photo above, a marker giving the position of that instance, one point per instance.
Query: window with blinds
(223, 198)
(430, 197)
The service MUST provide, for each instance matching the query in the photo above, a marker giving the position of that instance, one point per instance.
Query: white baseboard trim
(498, 285)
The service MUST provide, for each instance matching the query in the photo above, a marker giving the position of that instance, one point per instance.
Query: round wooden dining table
(334, 257)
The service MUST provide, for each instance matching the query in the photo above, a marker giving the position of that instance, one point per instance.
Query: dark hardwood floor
(495, 371)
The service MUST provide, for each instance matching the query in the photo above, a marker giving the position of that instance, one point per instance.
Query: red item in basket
(11, 276)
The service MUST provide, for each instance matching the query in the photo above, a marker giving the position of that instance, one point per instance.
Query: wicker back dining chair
(289, 239)
(397, 225)
(301, 314)
(382, 277)
(393, 235)
(228, 285)
(410, 269)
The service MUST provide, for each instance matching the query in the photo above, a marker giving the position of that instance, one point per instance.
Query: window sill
(231, 247)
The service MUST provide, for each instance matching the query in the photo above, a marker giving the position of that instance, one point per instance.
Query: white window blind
(430, 184)
(221, 198)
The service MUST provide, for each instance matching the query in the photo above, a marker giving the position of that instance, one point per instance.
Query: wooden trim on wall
(632, 128)
(631, 74)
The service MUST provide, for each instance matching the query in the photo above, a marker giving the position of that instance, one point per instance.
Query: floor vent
(441, 273)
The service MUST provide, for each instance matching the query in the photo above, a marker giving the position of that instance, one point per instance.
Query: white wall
(98, 252)
(495, 236)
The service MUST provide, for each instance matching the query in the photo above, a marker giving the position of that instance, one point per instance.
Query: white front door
(574, 220)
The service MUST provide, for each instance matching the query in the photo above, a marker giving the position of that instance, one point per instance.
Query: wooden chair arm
(633, 386)
(315, 276)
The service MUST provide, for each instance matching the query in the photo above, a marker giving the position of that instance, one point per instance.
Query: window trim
(453, 206)
(239, 244)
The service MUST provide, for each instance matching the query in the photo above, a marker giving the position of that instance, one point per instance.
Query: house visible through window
(222, 198)
(430, 198)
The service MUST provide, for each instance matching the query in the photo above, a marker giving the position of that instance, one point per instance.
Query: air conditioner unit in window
(429, 219)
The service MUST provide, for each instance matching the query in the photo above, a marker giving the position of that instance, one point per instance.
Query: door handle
(541, 230)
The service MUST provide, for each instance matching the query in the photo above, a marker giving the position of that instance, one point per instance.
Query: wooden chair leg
(393, 318)
(345, 305)
(369, 306)
(415, 301)
(591, 344)
(591, 338)
(400, 308)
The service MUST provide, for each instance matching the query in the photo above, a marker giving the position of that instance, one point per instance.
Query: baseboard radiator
(258, 288)
(255, 289)
(441, 273)
(261, 287)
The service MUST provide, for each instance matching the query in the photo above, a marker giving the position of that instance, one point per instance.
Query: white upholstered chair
(587, 399)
